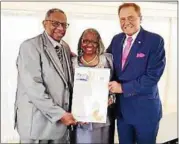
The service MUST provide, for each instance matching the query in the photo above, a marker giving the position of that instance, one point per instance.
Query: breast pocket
(141, 56)
(139, 62)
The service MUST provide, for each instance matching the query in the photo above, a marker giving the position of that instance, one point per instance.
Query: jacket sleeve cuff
(56, 118)
(128, 89)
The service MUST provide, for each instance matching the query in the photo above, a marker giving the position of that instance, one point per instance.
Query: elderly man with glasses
(43, 98)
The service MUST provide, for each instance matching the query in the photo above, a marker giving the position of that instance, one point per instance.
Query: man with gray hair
(44, 88)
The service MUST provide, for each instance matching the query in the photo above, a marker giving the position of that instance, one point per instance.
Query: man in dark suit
(139, 62)
(45, 84)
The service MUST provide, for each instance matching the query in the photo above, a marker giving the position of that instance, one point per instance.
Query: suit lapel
(49, 49)
(136, 45)
(69, 64)
(120, 50)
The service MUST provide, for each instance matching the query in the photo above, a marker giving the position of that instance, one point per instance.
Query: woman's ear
(81, 52)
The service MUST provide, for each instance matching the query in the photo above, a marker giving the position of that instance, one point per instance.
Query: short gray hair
(50, 11)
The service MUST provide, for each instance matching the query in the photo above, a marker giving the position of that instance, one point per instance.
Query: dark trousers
(137, 133)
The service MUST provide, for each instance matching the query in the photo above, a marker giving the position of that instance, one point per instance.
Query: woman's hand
(110, 101)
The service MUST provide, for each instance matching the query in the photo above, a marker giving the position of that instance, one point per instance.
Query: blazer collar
(49, 49)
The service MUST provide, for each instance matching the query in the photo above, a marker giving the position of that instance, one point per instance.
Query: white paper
(90, 94)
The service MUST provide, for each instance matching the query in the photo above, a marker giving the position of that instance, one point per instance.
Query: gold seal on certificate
(90, 94)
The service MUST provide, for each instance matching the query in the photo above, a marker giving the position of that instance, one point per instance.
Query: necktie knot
(129, 39)
(57, 47)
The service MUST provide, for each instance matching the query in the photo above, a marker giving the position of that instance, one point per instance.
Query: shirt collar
(54, 43)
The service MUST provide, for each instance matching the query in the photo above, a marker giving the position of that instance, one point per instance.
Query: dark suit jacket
(139, 102)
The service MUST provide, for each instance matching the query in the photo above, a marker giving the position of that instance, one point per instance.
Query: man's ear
(140, 19)
(44, 23)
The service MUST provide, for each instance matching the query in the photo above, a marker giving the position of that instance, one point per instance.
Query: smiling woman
(91, 54)
(23, 20)
(90, 47)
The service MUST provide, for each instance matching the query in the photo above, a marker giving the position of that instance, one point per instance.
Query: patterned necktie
(59, 54)
(126, 50)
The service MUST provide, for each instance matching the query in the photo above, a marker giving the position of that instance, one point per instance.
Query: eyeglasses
(130, 18)
(57, 24)
(86, 42)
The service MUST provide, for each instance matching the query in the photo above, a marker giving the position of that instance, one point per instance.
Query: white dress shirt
(133, 39)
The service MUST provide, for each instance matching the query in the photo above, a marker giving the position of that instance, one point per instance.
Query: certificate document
(90, 94)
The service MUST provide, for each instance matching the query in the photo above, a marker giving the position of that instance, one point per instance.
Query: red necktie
(126, 50)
